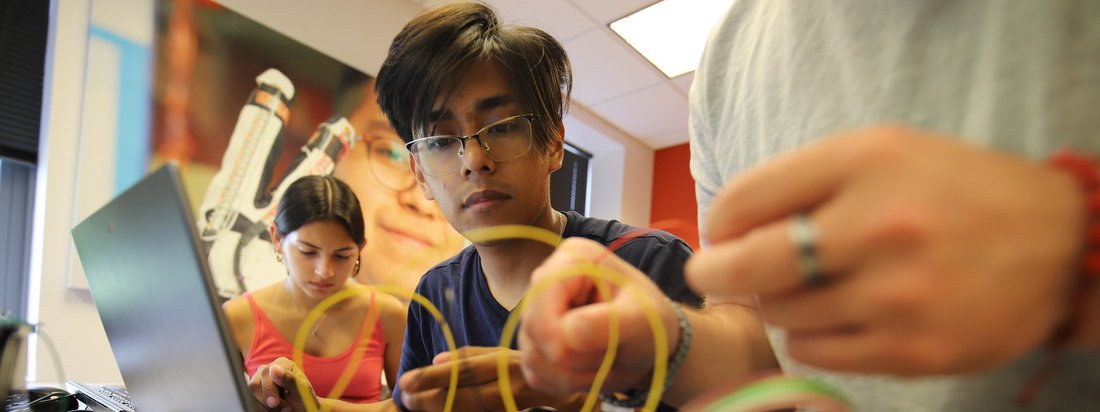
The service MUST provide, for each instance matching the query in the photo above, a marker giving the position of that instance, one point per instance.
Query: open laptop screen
(154, 293)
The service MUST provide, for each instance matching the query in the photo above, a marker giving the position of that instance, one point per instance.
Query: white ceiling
(610, 77)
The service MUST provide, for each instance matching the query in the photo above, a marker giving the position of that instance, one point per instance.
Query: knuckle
(901, 223)
(717, 271)
(879, 143)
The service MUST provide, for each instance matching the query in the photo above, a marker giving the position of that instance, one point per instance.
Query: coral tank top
(365, 385)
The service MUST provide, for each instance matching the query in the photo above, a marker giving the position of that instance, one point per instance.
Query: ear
(420, 180)
(557, 148)
(275, 239)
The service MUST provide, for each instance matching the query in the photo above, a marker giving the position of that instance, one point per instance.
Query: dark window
(569, 185)
(23, 29)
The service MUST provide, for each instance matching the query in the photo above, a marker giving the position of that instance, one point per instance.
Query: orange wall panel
(674, 194)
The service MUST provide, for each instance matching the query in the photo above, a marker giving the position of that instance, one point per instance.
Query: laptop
(155, 295)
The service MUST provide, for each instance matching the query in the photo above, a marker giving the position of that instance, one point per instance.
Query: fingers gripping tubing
(601, 275)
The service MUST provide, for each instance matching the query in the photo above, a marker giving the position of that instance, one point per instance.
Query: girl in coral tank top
(318, 234)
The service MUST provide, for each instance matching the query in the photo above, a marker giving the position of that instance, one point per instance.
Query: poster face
(245, 111)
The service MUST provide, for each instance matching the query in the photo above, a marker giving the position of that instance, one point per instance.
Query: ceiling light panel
(671, 33)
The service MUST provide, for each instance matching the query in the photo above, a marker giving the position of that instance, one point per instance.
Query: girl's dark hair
(314, 198)
(437, 47)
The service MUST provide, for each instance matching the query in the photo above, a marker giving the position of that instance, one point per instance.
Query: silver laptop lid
(155, 296)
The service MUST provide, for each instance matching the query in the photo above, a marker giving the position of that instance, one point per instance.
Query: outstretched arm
(566, 331)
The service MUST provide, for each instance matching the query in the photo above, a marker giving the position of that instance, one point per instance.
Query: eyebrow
(483, 105)
(318, 247)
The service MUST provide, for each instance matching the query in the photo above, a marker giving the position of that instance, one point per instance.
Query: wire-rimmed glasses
(506, 139)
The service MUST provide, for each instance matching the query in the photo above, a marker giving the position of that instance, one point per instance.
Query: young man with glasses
(481, 106)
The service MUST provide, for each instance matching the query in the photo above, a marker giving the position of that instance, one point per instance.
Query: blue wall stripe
(135, 103)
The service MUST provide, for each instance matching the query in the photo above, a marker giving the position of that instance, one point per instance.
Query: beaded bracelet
(637, 398)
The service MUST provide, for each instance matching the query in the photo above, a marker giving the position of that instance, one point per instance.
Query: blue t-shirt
(477, 319)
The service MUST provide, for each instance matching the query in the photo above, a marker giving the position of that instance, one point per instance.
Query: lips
(321, 285)
(484, 198)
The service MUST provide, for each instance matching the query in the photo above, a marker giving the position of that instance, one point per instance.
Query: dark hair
(437, 47)
(314, 198)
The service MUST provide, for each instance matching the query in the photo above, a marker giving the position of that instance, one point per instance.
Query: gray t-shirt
(1016, 76)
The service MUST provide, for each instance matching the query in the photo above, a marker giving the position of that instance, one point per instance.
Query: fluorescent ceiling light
(671, 33)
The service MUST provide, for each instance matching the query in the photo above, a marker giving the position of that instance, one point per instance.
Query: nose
(475, 158)
(325, 268)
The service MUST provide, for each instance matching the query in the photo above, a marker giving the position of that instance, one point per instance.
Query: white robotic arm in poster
(238, 208)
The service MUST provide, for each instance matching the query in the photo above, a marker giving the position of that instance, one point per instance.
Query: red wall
(674, 194)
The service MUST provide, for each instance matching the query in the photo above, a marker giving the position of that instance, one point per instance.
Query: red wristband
(1087, 172)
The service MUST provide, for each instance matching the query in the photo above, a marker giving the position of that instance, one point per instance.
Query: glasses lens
(507, 139)
(389, 161)
(438, 155)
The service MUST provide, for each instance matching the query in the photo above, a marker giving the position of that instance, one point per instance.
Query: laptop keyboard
(114, 398)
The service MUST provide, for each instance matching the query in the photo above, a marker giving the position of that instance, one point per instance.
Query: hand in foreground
(564, 334)
(275, 386)
(425, 389)
(938, 257)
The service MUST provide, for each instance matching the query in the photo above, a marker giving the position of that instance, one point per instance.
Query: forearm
(729, 343)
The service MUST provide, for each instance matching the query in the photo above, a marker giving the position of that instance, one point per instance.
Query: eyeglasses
(441, 155)
(389, 163)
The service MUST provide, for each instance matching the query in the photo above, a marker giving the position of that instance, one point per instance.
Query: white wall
(67, 316)
(621, 184)
(348, 30)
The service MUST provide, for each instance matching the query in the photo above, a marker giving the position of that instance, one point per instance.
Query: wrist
(679, 349)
